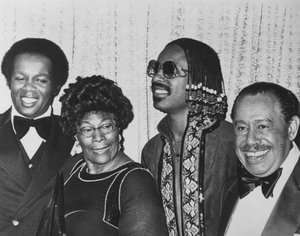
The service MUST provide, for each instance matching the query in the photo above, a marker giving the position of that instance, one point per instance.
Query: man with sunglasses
(193, 153)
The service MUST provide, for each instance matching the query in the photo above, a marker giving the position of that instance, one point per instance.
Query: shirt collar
(14, 112)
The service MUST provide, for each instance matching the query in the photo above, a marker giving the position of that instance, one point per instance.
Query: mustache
(255, 147)
(30, 94)
(161, 85)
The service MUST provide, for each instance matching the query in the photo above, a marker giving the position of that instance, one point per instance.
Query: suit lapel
(229, 199)
(285, 217)
(57, 151)
(11, 158)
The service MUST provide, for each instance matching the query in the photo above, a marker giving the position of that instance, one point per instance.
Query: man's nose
(253, 137)
(29, 86)
(159, 76)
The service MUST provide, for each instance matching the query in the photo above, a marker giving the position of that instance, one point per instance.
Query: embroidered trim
(192, 179)
(167, 190)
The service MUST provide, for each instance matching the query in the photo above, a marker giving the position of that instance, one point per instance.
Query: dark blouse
(121, 202)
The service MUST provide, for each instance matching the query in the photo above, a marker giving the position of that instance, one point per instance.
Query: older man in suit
(266, 122)
(33, 149)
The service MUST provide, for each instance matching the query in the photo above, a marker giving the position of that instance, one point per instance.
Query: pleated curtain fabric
(255, 40)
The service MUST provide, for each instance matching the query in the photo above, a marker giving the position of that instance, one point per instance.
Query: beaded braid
(207, 104)
(205, 92)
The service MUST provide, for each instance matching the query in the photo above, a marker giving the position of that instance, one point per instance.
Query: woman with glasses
(107, 192)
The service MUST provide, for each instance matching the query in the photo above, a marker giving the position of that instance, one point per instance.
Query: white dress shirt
(31, 141)
(252, 212)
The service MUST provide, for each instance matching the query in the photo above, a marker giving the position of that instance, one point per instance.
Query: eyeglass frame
(160, 66)
(97, 128)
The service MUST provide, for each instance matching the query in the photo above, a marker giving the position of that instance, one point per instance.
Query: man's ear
(293, 127)
(8, 84)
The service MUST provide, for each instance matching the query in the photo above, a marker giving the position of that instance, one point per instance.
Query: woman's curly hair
(94, 94)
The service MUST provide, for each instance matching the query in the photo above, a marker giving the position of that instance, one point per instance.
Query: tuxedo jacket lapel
(56, 153)
(11, 158)
(285, 217)
(229, 199)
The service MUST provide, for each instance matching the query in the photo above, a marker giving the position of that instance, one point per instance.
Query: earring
(76, 148)
(121, 143)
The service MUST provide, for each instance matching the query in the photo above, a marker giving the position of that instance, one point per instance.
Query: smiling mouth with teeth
(160, 91)
(29, 100)
(257, 154)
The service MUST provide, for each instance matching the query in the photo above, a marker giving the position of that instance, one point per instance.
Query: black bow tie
(247, 182)
(42, 126)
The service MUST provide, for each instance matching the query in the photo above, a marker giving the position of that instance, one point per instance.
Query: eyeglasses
(88, 131)
(169, 69)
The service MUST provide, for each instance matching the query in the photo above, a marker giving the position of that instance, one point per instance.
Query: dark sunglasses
(168, 68)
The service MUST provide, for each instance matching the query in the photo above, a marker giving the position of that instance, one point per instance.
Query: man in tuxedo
(264, 197)
(33, 149)
(193, 153)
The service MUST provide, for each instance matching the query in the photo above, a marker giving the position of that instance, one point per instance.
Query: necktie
(42, 126)
(247, 182)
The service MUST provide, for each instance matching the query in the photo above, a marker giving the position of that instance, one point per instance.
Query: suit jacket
(285, 217)
(23, 197)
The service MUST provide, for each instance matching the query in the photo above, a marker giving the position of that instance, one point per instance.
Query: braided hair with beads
(205, 93)
(207, 106)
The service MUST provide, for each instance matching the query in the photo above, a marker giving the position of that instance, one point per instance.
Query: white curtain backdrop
(256, 41)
